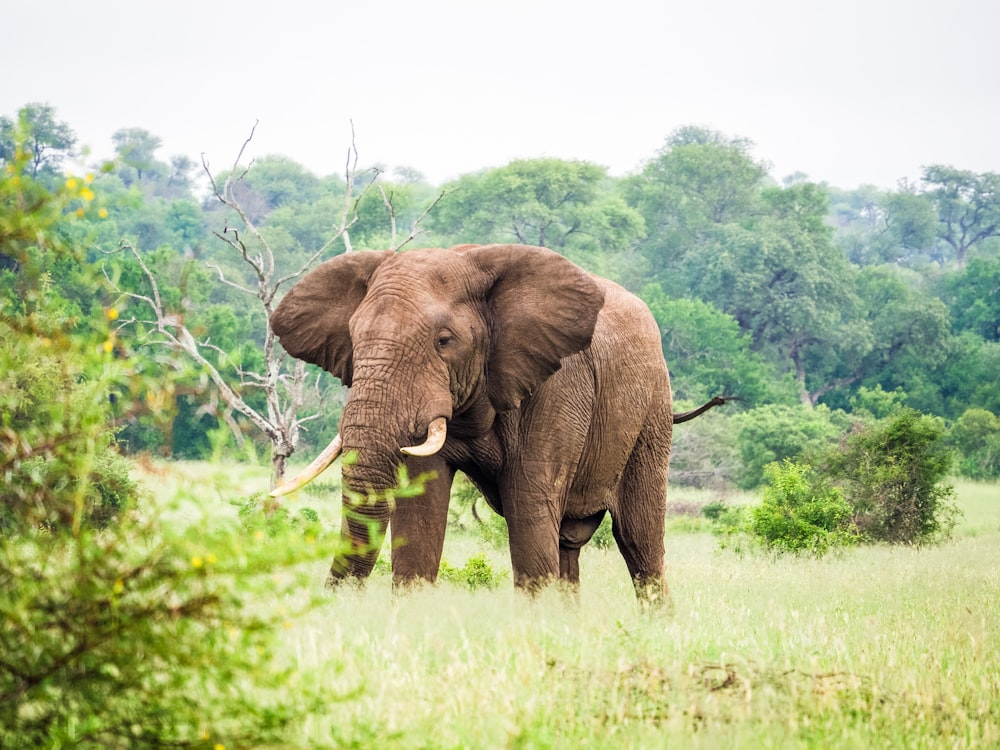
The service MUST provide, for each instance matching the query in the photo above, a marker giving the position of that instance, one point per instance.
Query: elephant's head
(434, 341)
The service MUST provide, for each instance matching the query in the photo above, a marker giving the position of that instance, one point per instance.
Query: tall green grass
(873, 647)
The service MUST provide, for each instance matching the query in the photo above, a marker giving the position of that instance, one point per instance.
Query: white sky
(849, 92)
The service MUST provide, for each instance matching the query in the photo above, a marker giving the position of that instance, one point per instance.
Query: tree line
(813, 304)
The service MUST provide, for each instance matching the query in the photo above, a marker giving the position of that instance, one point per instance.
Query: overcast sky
(849, 92)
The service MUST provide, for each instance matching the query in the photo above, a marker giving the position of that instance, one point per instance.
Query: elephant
(544, 384)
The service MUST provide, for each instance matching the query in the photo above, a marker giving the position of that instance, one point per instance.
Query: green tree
(697, 183)
(968, 206)
(874, 227)
(272, 182)
(135, 150)
(788, 286)
(708, 354)
(562, 205)
(964, 377)
(906, 331)
(975, 298)
(44, 140)
(775, 432)
(976, 438)
(910, 225)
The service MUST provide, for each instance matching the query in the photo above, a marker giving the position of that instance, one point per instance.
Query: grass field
(875, 647)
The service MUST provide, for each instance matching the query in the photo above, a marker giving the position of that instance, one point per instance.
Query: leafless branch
(283, 380)
(415, 229)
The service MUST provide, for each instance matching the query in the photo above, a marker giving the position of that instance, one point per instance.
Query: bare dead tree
(283, 380)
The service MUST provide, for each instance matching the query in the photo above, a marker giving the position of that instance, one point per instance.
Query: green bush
(800, 512)
(477, 573)
(893, 473)
(261, 513)
(123, 636)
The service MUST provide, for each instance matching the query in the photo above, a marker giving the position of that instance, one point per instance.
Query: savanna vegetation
(156, 599)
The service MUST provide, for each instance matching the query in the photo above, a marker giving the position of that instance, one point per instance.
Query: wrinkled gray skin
(554, 388)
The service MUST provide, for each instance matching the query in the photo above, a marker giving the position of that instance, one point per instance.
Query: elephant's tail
(686, 416)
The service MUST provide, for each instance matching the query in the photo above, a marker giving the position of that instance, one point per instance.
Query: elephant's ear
(312, 321)
(541, 308)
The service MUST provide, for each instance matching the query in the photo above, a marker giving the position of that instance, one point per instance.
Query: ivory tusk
(313, 470)
(437, 432)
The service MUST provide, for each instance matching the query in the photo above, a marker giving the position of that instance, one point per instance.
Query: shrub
(261, 513)
(59, 463)
(477, 573)
(124, 638)
(120, 636)
(800, 512)
(892, 473)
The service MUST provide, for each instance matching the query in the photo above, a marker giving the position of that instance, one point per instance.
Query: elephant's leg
(533, 529)
(418, 525)
(573, 534)
(639, 519)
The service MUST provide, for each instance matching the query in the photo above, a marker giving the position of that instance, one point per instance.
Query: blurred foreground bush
(113, 632)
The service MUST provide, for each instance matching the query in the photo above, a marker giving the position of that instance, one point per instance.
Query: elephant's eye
(443, 340)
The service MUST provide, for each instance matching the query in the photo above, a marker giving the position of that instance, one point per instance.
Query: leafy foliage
(773, 433)
(975, 436)
(124, 639)
(122, 636)
(893, 474)
(800, 512)
(477, 573)
(710, 354)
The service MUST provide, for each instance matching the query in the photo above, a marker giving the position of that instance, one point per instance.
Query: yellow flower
(119, 586)
(87, 194)
(112, 312)
(197, 562)
(108, 346)
(102, 212)
(88, 178)
(212, 559)
(219, 746)
(71, 183)
(79, 212)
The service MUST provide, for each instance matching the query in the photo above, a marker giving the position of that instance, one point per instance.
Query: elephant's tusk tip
(437, 433)
(317, 467)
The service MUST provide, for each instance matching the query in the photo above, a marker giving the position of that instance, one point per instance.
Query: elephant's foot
(350, 570)
(402, 585)
(653, 595)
